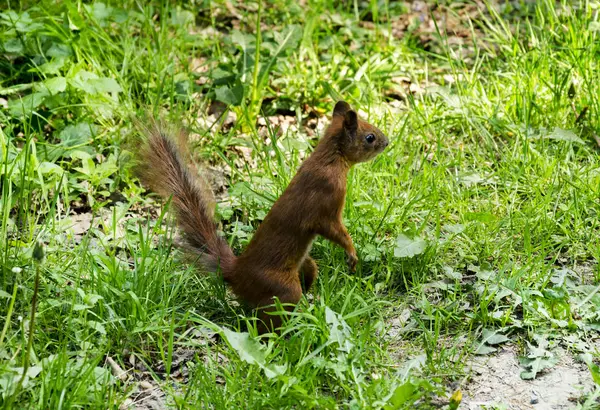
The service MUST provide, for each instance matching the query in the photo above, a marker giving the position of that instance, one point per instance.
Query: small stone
(146, 385)
(116, 370)
(534, 398)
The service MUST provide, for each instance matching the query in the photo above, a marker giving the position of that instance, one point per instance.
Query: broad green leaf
(16, 89)
(488, 339)
(12, 46)
(120, 16)
(181, 17)
(274, 370)
(97, 326)
(538, 358)
(244, 40)
(75, 18)
(440, 284)
(402, 394)
(502, 293)
(230, 96)
(92, 84)
(471, 179)
(77, 134)
(454, 228)
(339, 331)
(23, 23)
(536, 365)
(371, 253)
(59, 50)
(27, 104)
(51, 67)
(492, 337)
(220, 75)
(248, 349)
(555, 294)
(105, 85)
(50, 168)
(594, 26)
(287, 39)
(32, 371)
(252, 352)
(564, 135)
(52, 85)
(80, 80)
(483, 349)
(9, 17)
(82, 155)
(99, 10)
(595, 371)
(414, 363)
(485, 274)
(451, 273)
(293, 142)
(407, 247)
(446, 94)
(91, 299)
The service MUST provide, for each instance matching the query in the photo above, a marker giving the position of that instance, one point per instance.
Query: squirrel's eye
(370, 138)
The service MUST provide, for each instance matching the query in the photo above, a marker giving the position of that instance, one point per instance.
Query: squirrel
(276, 262)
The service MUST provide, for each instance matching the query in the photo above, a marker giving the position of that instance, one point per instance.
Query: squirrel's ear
(341, 108)
(351, 122)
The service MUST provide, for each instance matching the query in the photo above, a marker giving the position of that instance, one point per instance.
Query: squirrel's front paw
(351, 260)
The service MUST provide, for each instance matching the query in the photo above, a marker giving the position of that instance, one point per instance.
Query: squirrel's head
(358, 140)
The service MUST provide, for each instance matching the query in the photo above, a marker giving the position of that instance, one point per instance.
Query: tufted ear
(351, 123)
(341, 108)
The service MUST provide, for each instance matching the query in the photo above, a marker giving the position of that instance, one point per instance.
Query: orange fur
(276, 262)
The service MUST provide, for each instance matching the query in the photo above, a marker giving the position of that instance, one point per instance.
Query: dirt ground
(496, 383)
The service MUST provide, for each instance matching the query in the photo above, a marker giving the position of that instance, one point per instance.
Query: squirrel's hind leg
(268, 320)
(308, 273)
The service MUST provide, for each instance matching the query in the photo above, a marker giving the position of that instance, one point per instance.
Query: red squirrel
(276, 262)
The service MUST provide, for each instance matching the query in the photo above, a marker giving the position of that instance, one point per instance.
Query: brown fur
(276, 261)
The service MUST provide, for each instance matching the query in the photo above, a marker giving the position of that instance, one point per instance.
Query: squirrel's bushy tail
(164, 167)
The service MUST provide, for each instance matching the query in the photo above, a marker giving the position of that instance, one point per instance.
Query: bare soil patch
(496, 381)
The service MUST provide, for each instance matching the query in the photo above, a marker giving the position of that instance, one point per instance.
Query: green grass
(481, 218)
